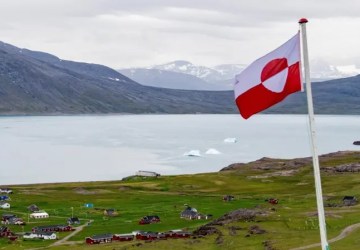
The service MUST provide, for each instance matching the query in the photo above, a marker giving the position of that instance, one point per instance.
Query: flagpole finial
(303, 20)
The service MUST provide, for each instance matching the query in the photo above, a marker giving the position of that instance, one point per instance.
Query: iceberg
(193, 153)
(231, 140)
(212, 151)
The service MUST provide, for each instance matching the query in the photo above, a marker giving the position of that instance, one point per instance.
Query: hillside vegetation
(255, 224)
(34, 82)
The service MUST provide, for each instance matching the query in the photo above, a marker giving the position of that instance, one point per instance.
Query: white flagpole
(319, 198)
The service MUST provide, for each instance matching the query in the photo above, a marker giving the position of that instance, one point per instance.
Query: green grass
(292, 224)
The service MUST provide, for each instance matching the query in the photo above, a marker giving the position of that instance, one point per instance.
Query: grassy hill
(289, 224)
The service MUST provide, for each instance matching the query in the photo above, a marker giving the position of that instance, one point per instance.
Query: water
(88, 148)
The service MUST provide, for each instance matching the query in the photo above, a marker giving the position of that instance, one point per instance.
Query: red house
(123, 237)
(99, 239)
(149, 219)
(53, 228)
(177, 234)
(149, 236)
(5, 232)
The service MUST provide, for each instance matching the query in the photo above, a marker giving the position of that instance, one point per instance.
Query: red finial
(303, 20)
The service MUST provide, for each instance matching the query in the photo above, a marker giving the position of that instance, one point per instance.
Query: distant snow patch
(114, 79)
(195, 153)
(230, 140)
(212, 151)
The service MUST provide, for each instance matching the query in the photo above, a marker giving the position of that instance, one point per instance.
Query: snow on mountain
(185, 75)
(185, 67)
(320, 70)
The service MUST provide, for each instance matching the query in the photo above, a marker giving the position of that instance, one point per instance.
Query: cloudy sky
(129, 33)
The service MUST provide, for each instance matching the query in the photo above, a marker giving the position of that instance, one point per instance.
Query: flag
(270, 79)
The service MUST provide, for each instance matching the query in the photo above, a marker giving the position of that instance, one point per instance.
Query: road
(341, 236)
(64, 241)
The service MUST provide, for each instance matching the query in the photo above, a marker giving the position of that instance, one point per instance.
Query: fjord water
(38, 149)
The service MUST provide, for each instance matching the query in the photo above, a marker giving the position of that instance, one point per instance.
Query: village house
(11, 219)
(349, 200)
(141, 235)
(73, 221)
(89, 205)
(6, 191)
(39, 215)
(33, 208)
(4, 198)
(149, 219)
(53, 228)
(272, 201)
(40, 235)
(191, 213)
(6, 217)
(98, 239)
(228, 198)
(4, 205)
(146, 173)
(123, 237)
(177, 234)
(5, 232)
(110, 212)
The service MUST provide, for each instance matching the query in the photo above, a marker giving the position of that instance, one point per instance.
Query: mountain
(185, 75)
(320, 70)
(168, 79)
(39, 83)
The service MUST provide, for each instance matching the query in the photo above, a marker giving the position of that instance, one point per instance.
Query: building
(73, 220)
(40, 235)
(89, 205)
(4, 198)
(6, 190)
(141, 235)
(5, 232)
(33, 208)
(146, 173)
(53, 228)
(110, 212)
(99, 239)
(123, 237)
(149, 219)
(191, 213)
(39, 215)
(349, 200)
(11, 219)
(4, 205)
(177, 234)
(228, 198)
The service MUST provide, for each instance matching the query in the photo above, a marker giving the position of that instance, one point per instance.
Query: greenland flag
(270, 79)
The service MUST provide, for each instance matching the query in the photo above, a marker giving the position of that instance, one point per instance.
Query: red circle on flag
(272, 68)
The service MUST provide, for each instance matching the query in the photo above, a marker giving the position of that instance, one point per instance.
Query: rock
(255, 229)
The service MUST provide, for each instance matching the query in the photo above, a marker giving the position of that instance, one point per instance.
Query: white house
(147, 173)
(6, 190)
(39, 215)
(40, 235)
(5, 205)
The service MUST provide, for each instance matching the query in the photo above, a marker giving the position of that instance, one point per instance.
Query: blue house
(4, 198)
(89, 205)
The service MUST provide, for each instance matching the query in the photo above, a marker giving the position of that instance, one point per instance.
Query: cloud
(144, 32)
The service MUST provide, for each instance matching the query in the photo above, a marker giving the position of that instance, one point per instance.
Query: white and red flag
(270, 79)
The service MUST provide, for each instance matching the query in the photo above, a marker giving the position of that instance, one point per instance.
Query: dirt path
(65, 241)
(341, 236)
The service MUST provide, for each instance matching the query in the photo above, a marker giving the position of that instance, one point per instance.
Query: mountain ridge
(39, 83)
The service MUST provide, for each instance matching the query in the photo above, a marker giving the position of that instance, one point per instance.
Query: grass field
(291, 223)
